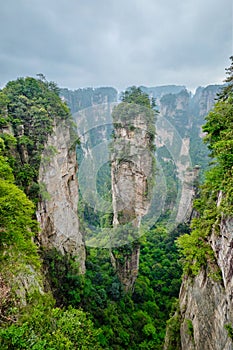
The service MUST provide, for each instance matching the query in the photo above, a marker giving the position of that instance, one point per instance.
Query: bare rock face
(57, 210)
(205, 311)
(185, 208)
(222, 245)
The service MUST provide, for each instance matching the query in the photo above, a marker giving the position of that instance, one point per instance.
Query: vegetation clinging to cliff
(218, 180)
(28, 110)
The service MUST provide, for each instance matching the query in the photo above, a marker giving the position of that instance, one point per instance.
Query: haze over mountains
(81, 98)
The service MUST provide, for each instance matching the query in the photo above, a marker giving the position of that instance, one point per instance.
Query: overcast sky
(80, 43)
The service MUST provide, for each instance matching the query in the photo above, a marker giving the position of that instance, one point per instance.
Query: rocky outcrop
(57, 209)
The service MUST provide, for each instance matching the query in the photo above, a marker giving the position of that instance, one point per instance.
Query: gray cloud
(81, 43)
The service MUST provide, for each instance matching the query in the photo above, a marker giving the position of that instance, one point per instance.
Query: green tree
(136, 95)
(228, 89)
(51, 329)
(16, 211)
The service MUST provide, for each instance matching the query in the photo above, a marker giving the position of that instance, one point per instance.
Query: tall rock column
(132, 165)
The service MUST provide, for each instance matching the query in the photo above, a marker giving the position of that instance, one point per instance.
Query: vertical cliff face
(37, 170)
(84, 98)
(204, 99)
(176, 106)
(132, 172)
(205, 317)
(179, 126)
(57, 209)
(206, 303)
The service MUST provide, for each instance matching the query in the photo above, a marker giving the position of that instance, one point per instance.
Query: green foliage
(42, 192)
(138, 319)
(6, 172)
(18, 252)
(195, 247)
(229, 329)
(63, 276)
(219, 132)
(30, 108)
(219, 138)
(135, 101)
(190, 330)
(136, 96)
(228, 89)
(9, 141)
(173, 339)
(47, 328)
(16, 212)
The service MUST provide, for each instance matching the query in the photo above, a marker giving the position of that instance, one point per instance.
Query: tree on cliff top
(136, 95)
(228, 89)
